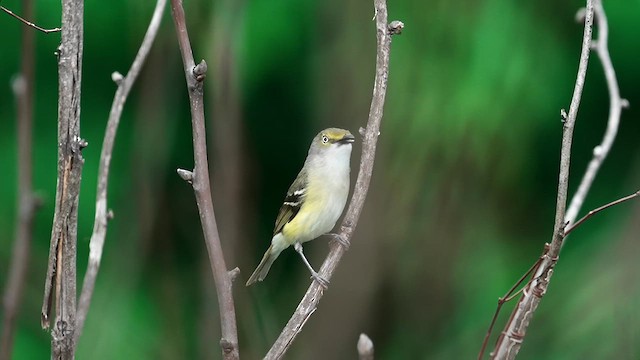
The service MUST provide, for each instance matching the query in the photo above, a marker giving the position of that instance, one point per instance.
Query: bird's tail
(263, 268)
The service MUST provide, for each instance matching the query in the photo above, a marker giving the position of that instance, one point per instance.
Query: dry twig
(309, 302)
(61, 271)
(199, 178)
(102, 214)
(28, 23)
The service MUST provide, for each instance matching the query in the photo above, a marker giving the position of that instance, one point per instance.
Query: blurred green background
(461, 200)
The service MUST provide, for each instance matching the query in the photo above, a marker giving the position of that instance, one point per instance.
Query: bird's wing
(292, 203)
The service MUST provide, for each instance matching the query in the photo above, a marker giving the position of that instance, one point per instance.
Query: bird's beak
(347, 139)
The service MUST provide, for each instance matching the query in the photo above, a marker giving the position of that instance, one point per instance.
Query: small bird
(314, 201)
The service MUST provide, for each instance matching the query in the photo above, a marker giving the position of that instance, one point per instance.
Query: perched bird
(314, 201)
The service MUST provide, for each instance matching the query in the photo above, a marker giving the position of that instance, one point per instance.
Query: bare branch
(570, 228)
(61, 271)
(22, 87)
(616, 104)
(201, 186)
(102, 214)
(365, 347)
(309, 302)
(28, 23)
(511, 339)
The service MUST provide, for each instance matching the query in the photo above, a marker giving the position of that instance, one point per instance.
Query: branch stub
(395, 27)
(116, 77)
(186, 175)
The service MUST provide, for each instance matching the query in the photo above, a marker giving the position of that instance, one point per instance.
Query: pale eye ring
(325, 139)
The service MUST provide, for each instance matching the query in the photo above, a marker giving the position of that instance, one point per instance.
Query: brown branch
(510, 295)
(309, 302)
(102, 215)
(510, 340)
(61, 271)
(29, 23)
(201, 186)
(23, 90)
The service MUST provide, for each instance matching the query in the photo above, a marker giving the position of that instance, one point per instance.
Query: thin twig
(309, 302)
(61, 271)
(510, 340)
(102, 214)
(23, 91)
(29, 23)
(200, 181)
(616, 104)
(597, 210)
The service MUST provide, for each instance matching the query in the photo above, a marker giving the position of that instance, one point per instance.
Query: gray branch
(60, 283)
(195, 75)
(309, 302)
(102, 214)
(22, 87)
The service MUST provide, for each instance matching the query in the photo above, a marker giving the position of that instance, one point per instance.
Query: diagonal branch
(61, 271)
(309, 302)
(27, 22)
(573, 226)
(27, 202)
(102, 214)
(199, 179)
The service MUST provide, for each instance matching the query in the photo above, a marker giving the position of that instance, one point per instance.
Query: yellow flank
(304, 226)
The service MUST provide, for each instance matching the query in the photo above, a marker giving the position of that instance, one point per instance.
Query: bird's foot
(340, 239)
(324, 283)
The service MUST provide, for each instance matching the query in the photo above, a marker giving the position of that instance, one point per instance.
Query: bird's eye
(325, 139)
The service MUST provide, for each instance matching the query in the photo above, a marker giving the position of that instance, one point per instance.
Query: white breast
(333, 171)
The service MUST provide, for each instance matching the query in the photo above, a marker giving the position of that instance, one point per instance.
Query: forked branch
(511, 338)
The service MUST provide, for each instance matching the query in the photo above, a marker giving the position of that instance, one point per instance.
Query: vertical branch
(511, 338)
(199, 179)
(309, 302)
(102, 214)
(23, 91)
(60, 284)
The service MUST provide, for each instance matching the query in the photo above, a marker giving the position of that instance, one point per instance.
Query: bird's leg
(322, 281)
(342, 240)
